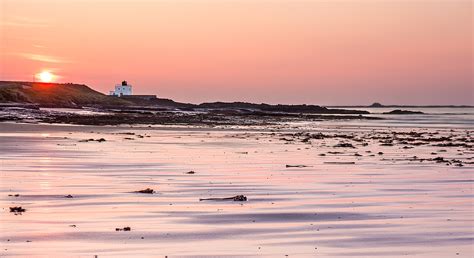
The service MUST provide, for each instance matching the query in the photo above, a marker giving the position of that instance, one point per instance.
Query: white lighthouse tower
(123, 89)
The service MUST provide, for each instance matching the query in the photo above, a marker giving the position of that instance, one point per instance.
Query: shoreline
(174, 117)
(256, 128)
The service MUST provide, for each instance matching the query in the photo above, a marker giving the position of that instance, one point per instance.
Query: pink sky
(315, 52)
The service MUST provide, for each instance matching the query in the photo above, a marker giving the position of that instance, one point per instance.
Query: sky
(352, 52)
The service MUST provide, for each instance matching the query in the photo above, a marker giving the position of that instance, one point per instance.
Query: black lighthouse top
(124, 83)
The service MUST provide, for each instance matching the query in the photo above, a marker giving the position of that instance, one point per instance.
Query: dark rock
(402, 112)
(340, 163)
(296, 166)
(240, 198)
(237, 198)
(17, 210)
(146, 191)
(344, 145)
(93, 140)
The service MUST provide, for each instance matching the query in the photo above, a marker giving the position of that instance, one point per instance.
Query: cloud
(21, 21)
(43, 58)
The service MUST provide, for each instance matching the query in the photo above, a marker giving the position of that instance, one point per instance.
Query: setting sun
(45, 76)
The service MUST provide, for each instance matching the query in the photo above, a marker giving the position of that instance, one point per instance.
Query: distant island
(376, 104)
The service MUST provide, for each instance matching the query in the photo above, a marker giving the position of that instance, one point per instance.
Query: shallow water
(440, 117)
(383, 205)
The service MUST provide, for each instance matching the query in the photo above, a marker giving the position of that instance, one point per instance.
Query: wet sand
(306, 197)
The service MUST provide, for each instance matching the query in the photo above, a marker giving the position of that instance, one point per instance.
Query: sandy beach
(243, 128)
(333, 190)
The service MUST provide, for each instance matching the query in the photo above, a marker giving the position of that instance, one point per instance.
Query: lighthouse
(123, 89)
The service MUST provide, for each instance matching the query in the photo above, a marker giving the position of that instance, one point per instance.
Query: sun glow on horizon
(45, 76)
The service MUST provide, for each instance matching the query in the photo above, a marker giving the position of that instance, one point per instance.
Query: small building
(123, 89)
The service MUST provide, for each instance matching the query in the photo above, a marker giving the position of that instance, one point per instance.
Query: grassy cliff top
(54, 94)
